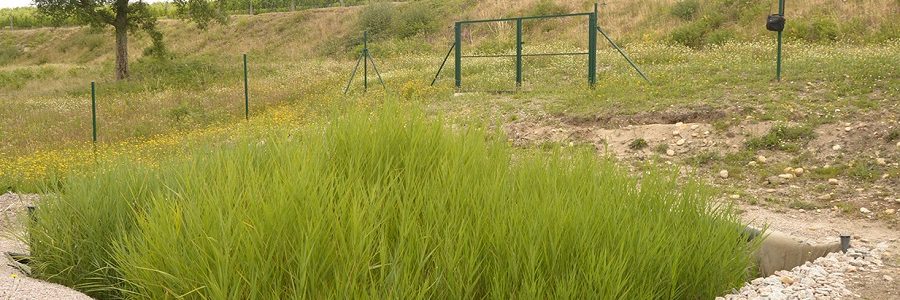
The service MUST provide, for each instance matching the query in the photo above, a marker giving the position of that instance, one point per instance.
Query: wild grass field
(517, 198)
(381, 203)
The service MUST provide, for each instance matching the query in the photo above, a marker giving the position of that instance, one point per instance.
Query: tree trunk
(121, 25)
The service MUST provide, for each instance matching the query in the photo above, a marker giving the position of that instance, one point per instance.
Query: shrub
(686, 9)
(546, 7)
(892, 135)
(719, 37)
(8, 53)
(783, 138)
(638, 144)
(415, 19)
(376, 18)
(690, 35)
(819, 29)
(386, 205)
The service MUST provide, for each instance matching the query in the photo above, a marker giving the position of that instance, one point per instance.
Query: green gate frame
(593, 28)
(591, 53)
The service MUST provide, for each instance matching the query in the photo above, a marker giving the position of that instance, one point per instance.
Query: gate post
(518, 52)
(592, 47)
(458, 56)
(778, 58)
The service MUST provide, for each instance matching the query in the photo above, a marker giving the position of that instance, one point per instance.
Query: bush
(376, 18)
(783, 138)
(386, 205)
(818, 29)
(694, 34)
(8, 53)
(638, 144)
(415, 19)
(719, 37)
(690, 35)
(686, 9)
(546, 7)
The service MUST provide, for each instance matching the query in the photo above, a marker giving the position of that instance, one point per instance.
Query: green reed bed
(386, 205)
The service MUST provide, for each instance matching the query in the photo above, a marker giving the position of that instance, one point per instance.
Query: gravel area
(14, 284)
(824, 278)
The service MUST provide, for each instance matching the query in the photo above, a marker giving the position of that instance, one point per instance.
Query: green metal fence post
(458, 56)
(778, 58)
(246, 90)
(365, 61)
(94, 111)
(518, 53)
(592, 47)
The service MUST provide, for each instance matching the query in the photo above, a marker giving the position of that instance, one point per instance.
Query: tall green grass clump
(387, 205)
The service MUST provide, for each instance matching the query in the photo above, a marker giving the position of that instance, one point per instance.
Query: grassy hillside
(692, 23)
(303, 59)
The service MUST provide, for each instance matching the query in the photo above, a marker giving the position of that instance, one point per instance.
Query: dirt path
(14, 284)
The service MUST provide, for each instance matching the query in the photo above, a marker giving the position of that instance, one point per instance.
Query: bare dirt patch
(700, 114)
(681, 138)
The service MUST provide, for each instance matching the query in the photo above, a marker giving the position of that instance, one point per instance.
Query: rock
(847, 129)
(707, 133)
(859, 263)
(752, 163)
(775, 180)
(836, 147)
(679, 123)
(772, 281)
(888, 278)
(864, 210)
(825, 197)
(788, 170)
(889, 211)
(777, 295)
(676, 133)
(680, 142)
(761, 159)
(799, 171)
(723, 174)
(898, 144)
(735, 196)
(694, 127)
(881, 161)
(786, 175)
(787, 280)
(670, 152)
(833, 181)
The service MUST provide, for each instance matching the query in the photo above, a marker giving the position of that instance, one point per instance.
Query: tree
(126, 16)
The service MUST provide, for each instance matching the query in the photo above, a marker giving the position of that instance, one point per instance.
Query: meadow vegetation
(177, 164)
(384, 203)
